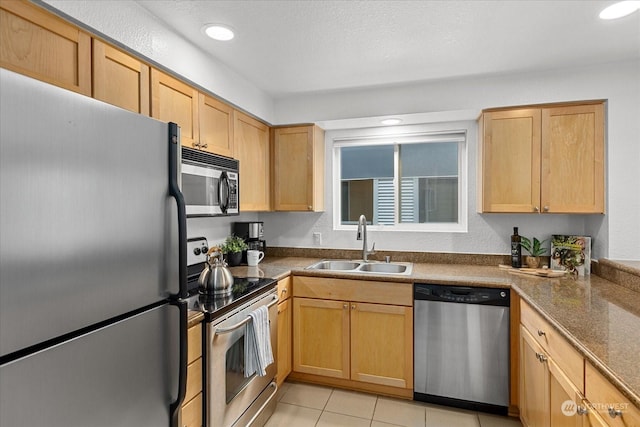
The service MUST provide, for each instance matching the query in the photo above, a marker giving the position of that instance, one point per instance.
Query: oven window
(235, 379)
(200, 190)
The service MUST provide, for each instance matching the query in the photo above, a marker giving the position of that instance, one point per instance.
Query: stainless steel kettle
(216, 278)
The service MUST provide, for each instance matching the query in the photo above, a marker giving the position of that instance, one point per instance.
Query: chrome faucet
(362, 235)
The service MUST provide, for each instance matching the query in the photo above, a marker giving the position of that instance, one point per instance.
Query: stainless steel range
(233, 398)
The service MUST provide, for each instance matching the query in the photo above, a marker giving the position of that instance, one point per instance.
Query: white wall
(130, 24)
(616, 234)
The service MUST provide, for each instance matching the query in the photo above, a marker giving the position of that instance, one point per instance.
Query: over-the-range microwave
(209, 183)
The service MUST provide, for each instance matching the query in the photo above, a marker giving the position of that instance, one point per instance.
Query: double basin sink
(371, 267)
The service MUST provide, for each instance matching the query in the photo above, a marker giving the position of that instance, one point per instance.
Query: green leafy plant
(233, 244)
(534, 247)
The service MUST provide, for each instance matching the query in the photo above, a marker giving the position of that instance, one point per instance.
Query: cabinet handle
(541, 333)
(546, 208)
(614, 412)
(536, 209)
(196, 144)
(541, 357)
(205, 145)
(582, 411)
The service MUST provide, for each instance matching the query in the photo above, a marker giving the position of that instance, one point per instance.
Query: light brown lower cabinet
(285, 317)
(191, 411)
(366, 339)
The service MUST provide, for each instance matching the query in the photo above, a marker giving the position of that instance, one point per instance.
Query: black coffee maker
(253, 234)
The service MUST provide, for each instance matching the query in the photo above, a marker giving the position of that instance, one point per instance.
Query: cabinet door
(216, 126)
(573, 159)
(38, 44)
(120, 79)
(298, 161)
(174, 101)
(191, 413)
(534, 383)
(284, 341)
(564, 398)
(382, 344)
(511, 161)
(251, 148)
(321, 337)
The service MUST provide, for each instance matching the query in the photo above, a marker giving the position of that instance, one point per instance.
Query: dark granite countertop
(598, 317)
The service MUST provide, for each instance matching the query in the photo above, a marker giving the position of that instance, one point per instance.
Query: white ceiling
(288, 47)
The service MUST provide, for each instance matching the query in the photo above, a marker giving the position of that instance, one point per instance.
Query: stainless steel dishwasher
(461, 347)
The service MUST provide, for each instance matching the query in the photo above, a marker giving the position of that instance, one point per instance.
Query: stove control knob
(204, 249)
(196, 251)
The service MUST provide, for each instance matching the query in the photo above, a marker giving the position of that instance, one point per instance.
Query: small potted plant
(232, 248)
(535, 249)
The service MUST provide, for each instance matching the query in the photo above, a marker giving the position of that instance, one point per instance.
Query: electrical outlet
(317, 238)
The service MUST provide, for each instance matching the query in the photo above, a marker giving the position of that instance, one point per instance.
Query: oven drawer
(194, 379)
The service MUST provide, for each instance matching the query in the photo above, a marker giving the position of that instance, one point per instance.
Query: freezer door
(89, 231)
(121, 375)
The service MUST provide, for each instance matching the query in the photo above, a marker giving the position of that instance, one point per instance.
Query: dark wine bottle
(516, 250)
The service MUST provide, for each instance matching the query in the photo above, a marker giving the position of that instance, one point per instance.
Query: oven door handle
(238, 325)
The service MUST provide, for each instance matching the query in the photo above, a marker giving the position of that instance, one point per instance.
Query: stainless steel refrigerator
(92, 249)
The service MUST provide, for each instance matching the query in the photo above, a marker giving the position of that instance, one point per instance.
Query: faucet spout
(361, 234)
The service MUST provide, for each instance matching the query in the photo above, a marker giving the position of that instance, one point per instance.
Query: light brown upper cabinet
(120, 79)
(38, 44)
(251, 148)
(175, 101)
(298, 162)
(216, 126)
(547, 159)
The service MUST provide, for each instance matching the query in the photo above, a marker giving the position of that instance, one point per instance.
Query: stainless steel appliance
(210, 184)
(461, 347)
(253, 234)
(233, 399)
(92, 327)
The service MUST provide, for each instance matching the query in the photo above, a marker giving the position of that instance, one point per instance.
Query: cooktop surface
(243, 290)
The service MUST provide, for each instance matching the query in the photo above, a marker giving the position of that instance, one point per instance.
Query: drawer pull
(582, 411)
(541, 333)
(614, 412)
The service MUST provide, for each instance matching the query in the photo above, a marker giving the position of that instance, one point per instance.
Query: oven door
(205, 190)
(230, 394)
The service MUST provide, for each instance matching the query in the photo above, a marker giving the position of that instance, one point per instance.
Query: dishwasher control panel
(461, 294)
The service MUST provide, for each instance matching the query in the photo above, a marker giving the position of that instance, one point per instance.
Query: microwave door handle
(223, 192)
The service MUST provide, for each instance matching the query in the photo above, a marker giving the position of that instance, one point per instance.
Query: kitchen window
(411, 182)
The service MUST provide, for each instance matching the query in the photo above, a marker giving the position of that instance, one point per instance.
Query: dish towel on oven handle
(258, 353)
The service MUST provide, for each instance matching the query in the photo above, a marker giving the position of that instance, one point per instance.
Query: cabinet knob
(546, 208)
(310, 207)
(581, 410)
(614, 412)
(536, 209)
(353, 306)
(284, 291)
(345, 305)
(541, 333)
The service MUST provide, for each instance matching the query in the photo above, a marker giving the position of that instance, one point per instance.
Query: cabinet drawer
(353, 290)
(192, 412)
(602, 395)
(564, 355)
(194, 379)
(194, 343)
(284, 289)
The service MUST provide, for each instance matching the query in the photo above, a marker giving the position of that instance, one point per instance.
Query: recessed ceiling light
(218, 32)
(620, 9)
(392, 121)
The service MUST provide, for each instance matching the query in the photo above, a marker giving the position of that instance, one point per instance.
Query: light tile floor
(301, 405)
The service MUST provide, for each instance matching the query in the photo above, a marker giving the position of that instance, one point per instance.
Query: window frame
(458, 135)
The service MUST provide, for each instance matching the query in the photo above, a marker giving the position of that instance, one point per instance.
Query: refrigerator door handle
(174, 190)
(174, 408)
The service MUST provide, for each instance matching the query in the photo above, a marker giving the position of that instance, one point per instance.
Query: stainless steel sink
(334, 265)
(372, 267)
(383, 268)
